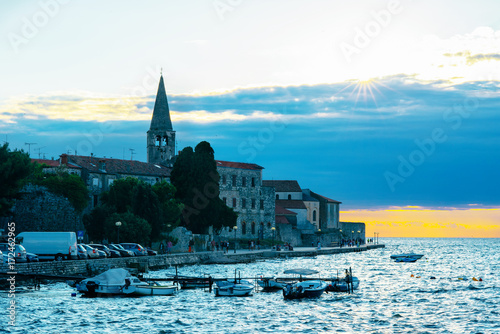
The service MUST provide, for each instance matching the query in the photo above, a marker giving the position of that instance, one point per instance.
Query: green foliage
(154, 205)
(68, 185)
(15, 167)
(197, 182)
(133, 228)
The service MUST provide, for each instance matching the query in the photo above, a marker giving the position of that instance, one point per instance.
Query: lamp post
(273, 229)
(235, 228)
(118, 224)
(340, 238)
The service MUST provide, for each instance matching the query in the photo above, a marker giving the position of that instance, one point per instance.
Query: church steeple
(161, 112)
(161, 136)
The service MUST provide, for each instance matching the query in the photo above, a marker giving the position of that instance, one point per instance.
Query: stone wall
(40, 210)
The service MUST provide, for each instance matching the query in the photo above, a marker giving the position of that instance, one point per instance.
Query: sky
(390, 107)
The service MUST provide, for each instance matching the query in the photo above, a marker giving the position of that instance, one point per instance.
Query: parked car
(151, 251)
(102, 254)
(136, 248)
(123, 252)
(91, 252)
(82, 252)
(19, 252)
(30, 257)
(109, 252)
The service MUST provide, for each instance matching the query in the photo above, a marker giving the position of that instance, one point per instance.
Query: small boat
(151, 290)
(235, 288)
(341, 284)
(408, 255)
(306, 289)
(405, 259)
(111, 282)
(273, 283)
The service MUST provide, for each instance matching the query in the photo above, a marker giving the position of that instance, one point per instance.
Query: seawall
(92, 267)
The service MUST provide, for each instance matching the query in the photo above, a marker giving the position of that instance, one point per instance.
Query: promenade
(91, 267)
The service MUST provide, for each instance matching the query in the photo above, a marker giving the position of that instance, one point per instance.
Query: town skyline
(370, 105)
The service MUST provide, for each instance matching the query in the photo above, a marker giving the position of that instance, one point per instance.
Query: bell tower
(161, 136)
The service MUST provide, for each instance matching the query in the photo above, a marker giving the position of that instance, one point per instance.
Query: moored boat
(238, 288)
(306, 289)
(111, 282)
(151, 290)
(407, 256)
(343, 284)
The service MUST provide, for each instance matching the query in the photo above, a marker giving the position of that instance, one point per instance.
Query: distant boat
(406, 257)
(235, 288)
(306, 289)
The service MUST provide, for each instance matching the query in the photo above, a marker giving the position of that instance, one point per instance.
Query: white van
(50, 245)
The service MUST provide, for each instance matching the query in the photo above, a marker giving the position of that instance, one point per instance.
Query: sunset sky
(391, 107)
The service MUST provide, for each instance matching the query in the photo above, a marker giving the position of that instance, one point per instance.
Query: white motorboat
(152, 290)
(407, 256)
(111, 282)
(305, 289)
(238, 288)
(278, 283)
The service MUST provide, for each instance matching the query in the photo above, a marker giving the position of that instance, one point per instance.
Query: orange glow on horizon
(422, 222)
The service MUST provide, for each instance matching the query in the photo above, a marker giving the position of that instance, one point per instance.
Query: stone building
(329, 210)
(241, 188)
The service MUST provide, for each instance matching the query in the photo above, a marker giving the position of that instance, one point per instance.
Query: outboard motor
(91, 287)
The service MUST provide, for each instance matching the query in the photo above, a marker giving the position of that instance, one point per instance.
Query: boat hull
(230, 289)
(341, 285)
(306, 289)
(151, 290)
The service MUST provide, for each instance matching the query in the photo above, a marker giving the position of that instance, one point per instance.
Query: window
(277, 196)
(253, 227)
(234, 180)
(234, 202)
(224, 199)
(314, 215)
(262, 204)
(253, 181)
(253, 203)
(243, 203)
(268, 225)
(243, 228)
(243, 181)
(224, 181)
(95, 181)
(289, 196)
(110, 181)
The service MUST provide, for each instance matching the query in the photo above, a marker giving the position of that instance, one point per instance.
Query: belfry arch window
(314, 215)
(165, 140)
(158, 141)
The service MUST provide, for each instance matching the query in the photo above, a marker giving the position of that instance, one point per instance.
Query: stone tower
(161, 136)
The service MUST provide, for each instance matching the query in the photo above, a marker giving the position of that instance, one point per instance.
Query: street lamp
(235, 228)
(118, 224)
(273, 229)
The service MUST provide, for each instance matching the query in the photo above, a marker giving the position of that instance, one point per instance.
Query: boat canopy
(301, 271)
(112, 276)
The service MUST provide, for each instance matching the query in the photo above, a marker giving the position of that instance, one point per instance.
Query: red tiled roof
(279, 210)
(118, 166)
(48, 162)
(283, 185)
(239, 165)
(281, 220)
(325, 198)
(290, 204)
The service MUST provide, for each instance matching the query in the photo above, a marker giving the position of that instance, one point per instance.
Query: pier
(87, 268)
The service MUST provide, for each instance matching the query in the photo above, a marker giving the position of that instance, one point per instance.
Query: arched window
(277, 196)
(158, 141)
(253, 227)
(314, 215)
(243, 228)
(289, 196)
(165, 140)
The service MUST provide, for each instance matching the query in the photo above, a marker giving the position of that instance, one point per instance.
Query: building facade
(241, 188)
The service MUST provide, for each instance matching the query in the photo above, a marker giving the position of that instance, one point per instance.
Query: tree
(197, 182)
(171, 207)
(133, 228)
(15, 167)
(68, 185)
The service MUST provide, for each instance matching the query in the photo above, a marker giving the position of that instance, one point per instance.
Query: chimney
(64, 159)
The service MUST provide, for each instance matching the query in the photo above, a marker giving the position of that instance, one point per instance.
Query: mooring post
(350, 274)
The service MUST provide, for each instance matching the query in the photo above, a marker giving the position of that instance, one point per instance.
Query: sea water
(436, 294)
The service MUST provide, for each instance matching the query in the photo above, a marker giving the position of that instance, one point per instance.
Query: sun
(366, 89)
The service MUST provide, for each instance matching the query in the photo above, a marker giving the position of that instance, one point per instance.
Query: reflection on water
(389, 299)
